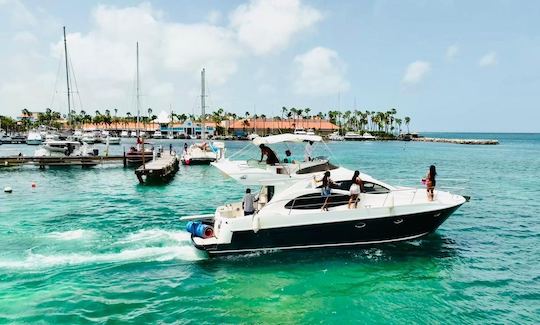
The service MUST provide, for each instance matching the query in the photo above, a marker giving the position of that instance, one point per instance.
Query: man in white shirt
(308, 151)
(249, 203)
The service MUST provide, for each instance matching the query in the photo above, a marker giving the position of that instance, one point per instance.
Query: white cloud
(267, 26)
(172, 53)
(451, 52)
(488, 60)
(415, 72)
(320, 72)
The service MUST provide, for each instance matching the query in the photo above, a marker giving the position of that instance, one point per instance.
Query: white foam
(71, 234)
(151, 235)
(145, 254)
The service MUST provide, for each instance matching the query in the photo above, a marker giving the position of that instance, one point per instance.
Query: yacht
(300, 131)
(157, 135)
(124, 134)
(77, 135)
(60, 148)
(288, 214)
(353, 136)
(4, 138)
(133, 134)
(310, 132)
(112, 140)
(33, 138)
(89, 137)
(335, 137)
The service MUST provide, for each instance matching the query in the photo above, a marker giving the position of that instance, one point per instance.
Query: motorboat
(157, 135)
(77, 135)
(203, 153)
(288, 214)
(353, 136)
(61, 148)
(89, 137)
(299, 131)
(124, 134)
(138, 155)
(335, 137)
(133, 134)
(112, 140)
(4, 138)
(33, 138)
(310, 132)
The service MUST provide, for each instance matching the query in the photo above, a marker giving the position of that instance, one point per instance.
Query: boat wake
(71, 234)
(144, 246)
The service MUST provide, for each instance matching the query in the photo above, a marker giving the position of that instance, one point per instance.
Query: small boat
(133, 134)
(161, 170)
(61, 148)
(300, 131)
(310, 132)
(288, 213)
(124, 134)
(77, 135)
(34, 138)
(4, 138)
(89, 137)
(112, 140)
(18, 138)
(203, 153)
(353, 136)
(335, 137)
(157, 135)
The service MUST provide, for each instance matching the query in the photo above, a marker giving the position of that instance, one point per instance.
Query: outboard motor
(199, 229)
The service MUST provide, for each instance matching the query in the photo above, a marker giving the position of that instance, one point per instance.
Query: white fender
(256, 223)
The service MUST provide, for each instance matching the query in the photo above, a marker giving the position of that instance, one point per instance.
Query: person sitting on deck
(248, 204)
(288, 159)
(271, 158)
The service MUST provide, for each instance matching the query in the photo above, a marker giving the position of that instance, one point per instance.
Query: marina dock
(160, 170)
(42, 162)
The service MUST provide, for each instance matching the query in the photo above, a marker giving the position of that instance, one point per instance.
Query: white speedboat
(310, 132)
(133, 134)
(353, 136)
(112, 140)
(203, 153)
(335, 137)
(89, 137)
(124, 134)
(59, 148)
(34, 138)
(51, 136)
(300, 131)
(157, 135)
(288, 214)
(77, 135)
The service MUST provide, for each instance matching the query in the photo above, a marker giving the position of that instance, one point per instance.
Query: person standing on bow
(308, 151)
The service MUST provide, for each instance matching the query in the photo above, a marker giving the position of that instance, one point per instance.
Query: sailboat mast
(67, 78)
(203, 113)
(138, 94)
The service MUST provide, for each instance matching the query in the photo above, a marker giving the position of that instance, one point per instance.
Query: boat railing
(389, 200)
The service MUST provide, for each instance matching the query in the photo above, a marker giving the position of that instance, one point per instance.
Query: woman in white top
(356, 188)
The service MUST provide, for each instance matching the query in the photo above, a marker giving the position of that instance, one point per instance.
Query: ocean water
(91, 245)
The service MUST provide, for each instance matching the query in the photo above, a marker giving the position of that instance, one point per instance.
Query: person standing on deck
(185, 146)
(308, 151)
(271, 158)
(248, 204)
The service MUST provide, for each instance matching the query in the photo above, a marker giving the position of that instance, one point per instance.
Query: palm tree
(407, 121)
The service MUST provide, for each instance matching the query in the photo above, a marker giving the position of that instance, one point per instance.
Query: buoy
(8, 189)
(34, 185)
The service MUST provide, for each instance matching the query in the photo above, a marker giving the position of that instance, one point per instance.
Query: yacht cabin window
(369, 187)
(314, 201)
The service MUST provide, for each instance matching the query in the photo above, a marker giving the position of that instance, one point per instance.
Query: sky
(464, 66)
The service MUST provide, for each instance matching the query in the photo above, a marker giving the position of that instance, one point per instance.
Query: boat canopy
(287, 137)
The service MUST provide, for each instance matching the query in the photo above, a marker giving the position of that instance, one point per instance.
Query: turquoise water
(94, 246)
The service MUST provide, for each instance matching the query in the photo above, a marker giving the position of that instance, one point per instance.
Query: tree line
(382, 122)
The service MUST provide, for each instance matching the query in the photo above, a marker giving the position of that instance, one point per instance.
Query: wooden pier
(42, 162)
(160, 170)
